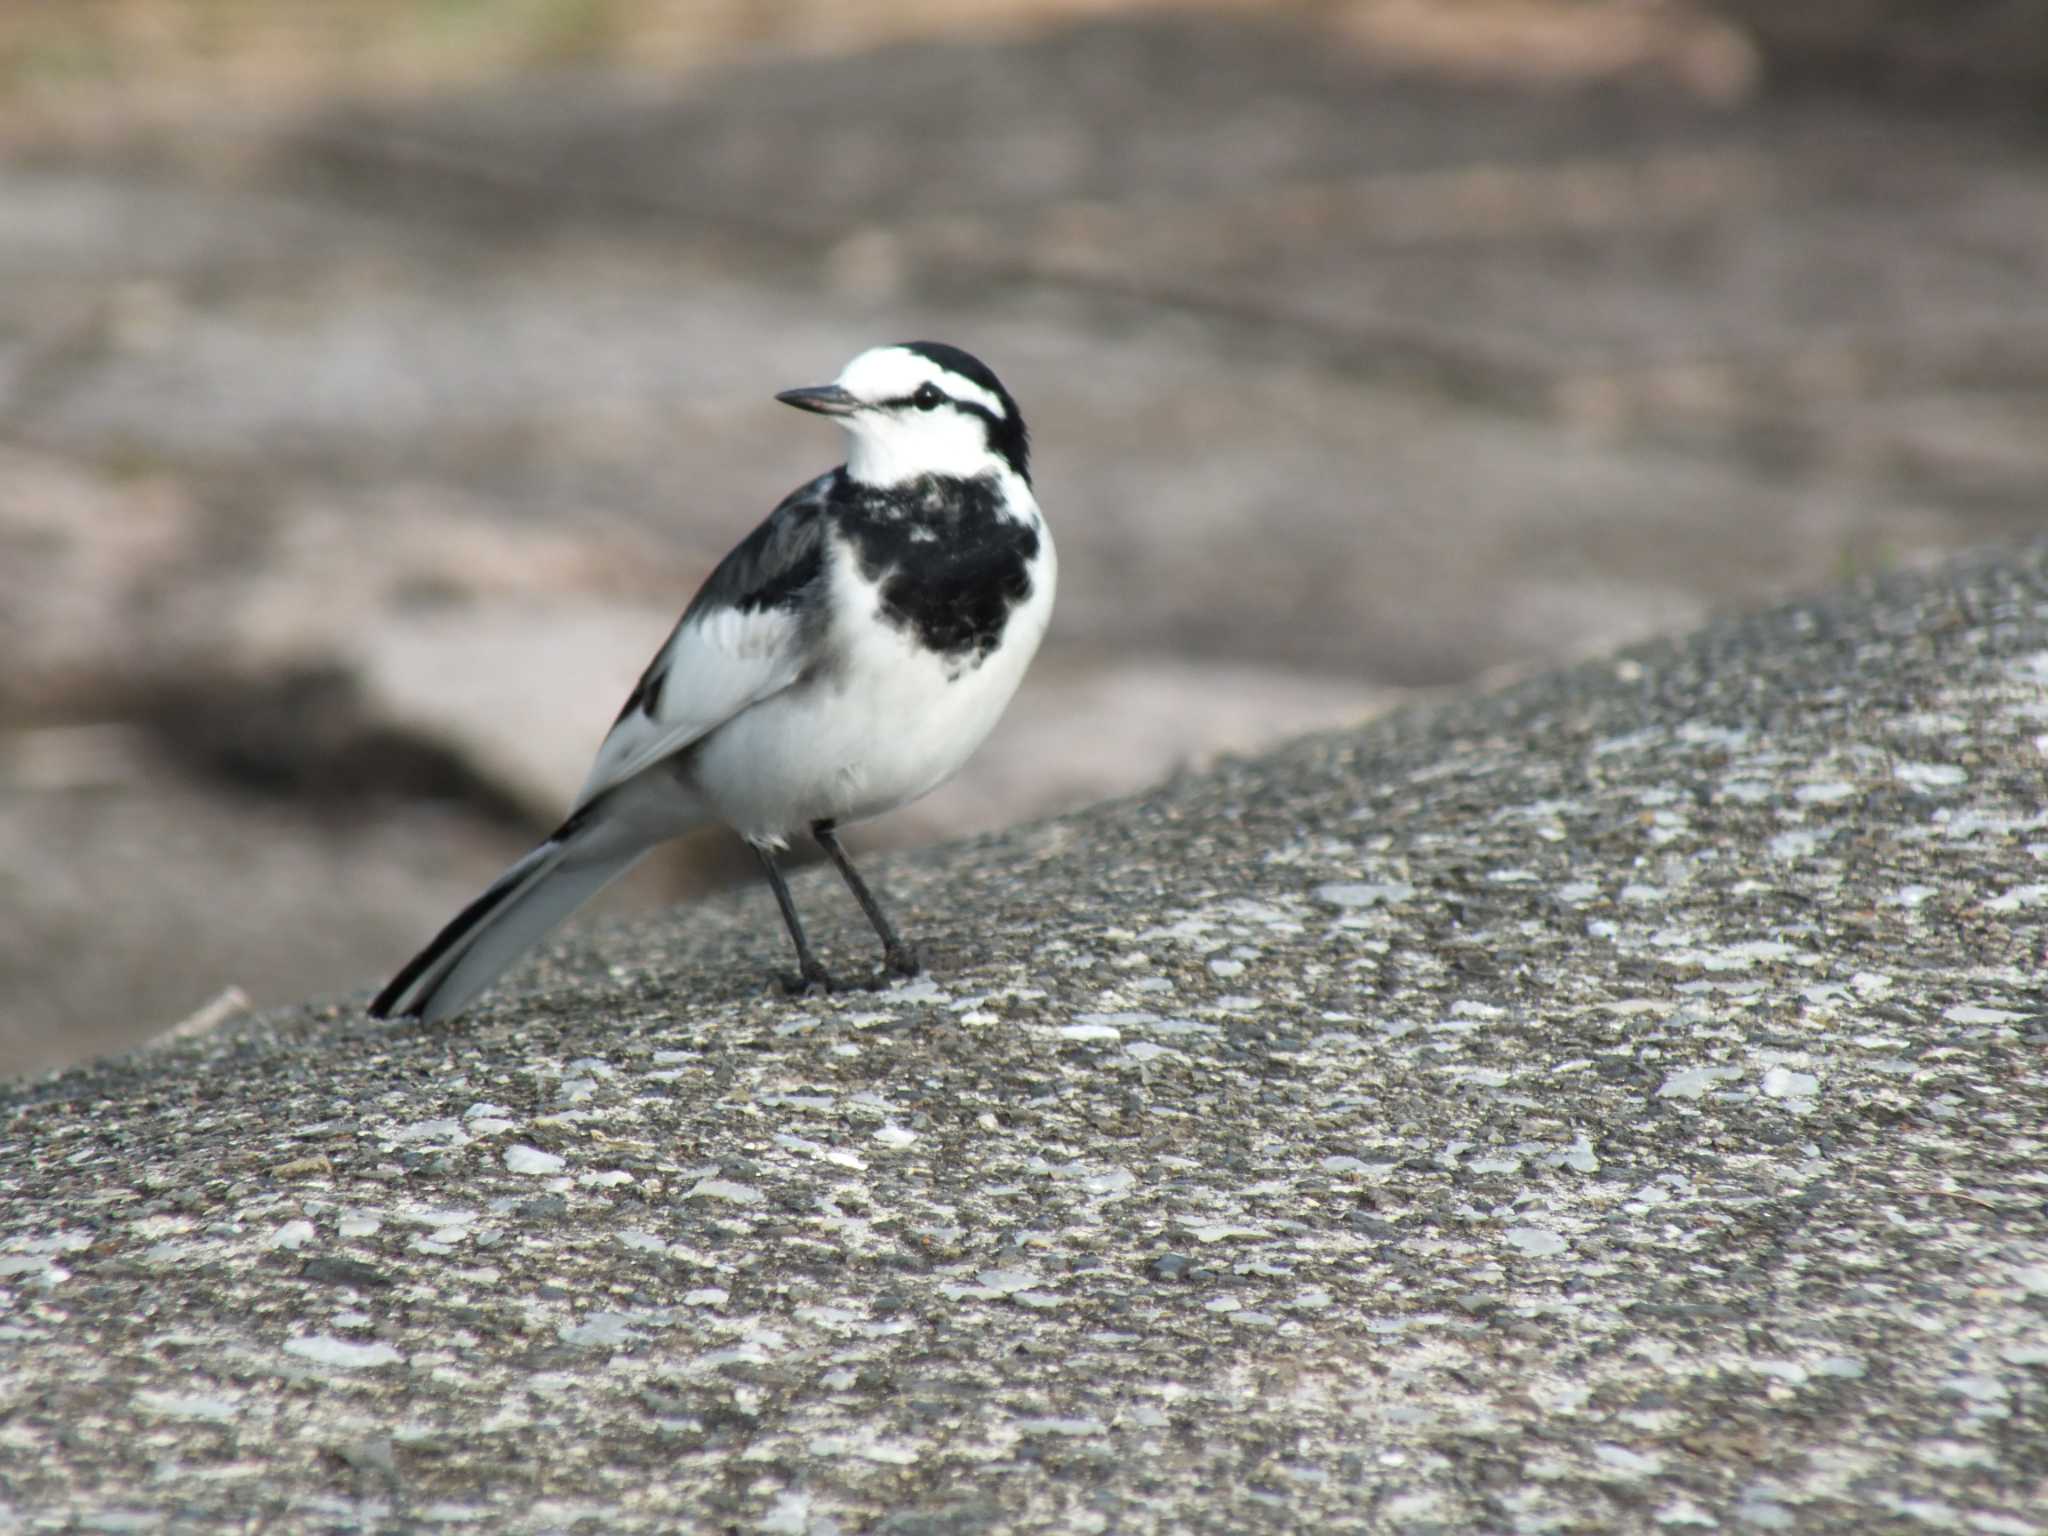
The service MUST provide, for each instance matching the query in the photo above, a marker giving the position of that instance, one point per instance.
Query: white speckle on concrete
(1744, 956)
(1091, 1031)
(2003, 1525)
(33, 1256)
(1978, 1388)
(342, 1354)
(1797, 843)
(435, 1216)
(428, 1130)
(1633, 741)
(727, 1190)
(199, 1406)
(1782, 1083)
(1826, 792)
(2017, 897)
(1765, 1513)
(450, 1512)
(1352, 894)
(789, 1515)
(888, 1453)
(1628, 1463)
(1682, 1511)
(608, 1330)
(1579, 1156)
(531, 1160)
(1694, 1082)
(1930, 775)
(1107, 1182)
(1071, 1428)
(1007, 1282)
(1223, 1232)
(1971, 1013)
(1953, 1453)
(41, 1271)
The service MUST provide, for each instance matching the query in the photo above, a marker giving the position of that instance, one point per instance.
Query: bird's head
(921, 408)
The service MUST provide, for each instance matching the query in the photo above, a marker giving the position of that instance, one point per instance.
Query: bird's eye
(929, 397)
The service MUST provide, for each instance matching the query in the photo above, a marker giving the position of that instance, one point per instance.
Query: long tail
(498, 927)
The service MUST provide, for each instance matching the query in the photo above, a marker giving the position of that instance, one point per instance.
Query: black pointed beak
(825, 399)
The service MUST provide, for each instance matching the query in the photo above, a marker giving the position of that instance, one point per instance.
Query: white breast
(881, 723)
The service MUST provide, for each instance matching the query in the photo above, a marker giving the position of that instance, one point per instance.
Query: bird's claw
(811, 978)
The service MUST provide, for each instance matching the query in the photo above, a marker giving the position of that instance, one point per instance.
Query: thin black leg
(899, 956)
(809, 972)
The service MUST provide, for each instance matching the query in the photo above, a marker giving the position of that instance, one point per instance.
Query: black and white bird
(845, 659)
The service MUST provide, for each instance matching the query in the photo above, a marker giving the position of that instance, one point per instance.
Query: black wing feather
(775, 566)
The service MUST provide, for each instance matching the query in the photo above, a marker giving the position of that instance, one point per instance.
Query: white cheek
(889, 450)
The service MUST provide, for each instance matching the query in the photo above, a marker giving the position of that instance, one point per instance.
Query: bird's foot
(812, 978)
(899, 962)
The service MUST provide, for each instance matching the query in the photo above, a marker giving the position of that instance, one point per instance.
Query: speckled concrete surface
(1615, 1104)
(1486, 349)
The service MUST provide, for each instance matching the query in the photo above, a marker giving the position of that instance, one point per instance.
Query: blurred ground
(376, 382)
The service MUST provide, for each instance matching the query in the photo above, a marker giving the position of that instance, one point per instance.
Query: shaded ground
(1613, 1104)
(1352, 375)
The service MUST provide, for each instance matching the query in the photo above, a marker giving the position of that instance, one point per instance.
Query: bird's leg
(809, 972)
(900, 958)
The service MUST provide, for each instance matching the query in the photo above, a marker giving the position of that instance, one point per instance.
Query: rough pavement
(1613, 1104)
(454, 400)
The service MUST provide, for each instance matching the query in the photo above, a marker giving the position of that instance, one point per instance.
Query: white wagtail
(845, 659)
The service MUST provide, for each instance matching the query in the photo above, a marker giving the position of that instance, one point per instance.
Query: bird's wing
(748, 634)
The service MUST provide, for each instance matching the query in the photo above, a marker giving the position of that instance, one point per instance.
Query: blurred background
(378, 379)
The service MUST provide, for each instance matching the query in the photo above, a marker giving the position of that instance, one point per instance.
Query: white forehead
(894, 373)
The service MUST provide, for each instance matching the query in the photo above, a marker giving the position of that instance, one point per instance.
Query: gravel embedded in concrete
(1572, 1147)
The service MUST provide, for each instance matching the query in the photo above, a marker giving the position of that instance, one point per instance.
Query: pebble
(531, 1160)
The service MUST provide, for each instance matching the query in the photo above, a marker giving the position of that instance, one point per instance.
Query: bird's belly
(886, 722)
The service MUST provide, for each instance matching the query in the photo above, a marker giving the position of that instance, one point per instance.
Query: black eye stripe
(929, 397)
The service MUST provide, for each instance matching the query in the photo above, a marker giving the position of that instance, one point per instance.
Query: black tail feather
(457, 929)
